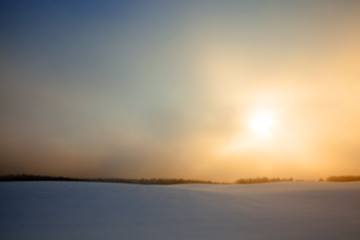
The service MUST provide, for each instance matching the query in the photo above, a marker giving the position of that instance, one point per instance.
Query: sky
(215, 90)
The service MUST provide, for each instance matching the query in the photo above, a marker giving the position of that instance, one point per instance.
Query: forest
(165, 181)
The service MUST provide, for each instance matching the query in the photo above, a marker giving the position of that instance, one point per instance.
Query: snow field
(85, 210)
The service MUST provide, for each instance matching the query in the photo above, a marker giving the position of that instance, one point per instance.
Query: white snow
(84, 210)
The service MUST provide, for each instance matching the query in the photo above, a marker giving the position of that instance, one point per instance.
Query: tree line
(343, 178)
(262, 180)
(165, 181)
(153, 181)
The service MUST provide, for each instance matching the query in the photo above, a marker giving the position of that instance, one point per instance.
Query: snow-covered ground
(84, 210)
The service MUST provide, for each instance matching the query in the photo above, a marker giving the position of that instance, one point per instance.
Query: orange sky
(214, 90)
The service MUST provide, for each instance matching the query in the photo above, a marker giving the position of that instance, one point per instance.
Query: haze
(212, 90)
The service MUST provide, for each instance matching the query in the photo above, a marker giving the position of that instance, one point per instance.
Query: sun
(258, 130)
(261, 124)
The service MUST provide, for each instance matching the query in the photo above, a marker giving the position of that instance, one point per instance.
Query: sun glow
(262, 124)
(258, 130)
